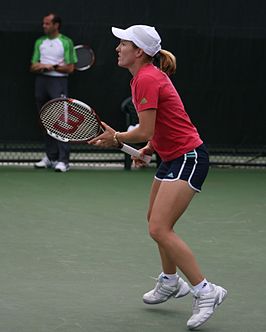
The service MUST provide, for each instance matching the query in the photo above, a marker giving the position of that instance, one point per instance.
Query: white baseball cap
(143, 36)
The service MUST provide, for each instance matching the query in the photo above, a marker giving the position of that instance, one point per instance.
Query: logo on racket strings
(69, 121)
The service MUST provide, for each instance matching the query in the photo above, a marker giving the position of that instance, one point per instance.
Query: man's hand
(41, 67)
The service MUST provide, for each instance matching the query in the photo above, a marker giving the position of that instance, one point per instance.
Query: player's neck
(53, 35)
(134, 69)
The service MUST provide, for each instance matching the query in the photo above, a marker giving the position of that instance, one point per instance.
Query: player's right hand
(139, 163)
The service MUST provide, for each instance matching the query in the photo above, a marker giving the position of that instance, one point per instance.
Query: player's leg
(169, 283)
(171, 201)
(176, 201)
(180, 179)
(41, 97)
(168, 266)
(59, 88)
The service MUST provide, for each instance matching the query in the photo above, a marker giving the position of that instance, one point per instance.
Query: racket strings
(70, 120)
(85, 57)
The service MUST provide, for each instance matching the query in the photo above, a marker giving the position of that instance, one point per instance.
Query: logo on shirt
(143, 101)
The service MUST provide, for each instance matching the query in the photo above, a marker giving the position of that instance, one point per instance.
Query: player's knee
(156, 231)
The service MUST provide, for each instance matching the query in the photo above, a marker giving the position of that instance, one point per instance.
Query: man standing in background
(53, 59)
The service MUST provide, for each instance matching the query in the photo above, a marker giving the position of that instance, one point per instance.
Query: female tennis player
(168, 130)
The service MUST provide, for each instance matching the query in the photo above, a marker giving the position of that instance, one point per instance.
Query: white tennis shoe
(45, 163)
(204, 305)
(163, 291)
(61, 167)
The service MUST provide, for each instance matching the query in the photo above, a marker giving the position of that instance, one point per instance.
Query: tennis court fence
(27, 153)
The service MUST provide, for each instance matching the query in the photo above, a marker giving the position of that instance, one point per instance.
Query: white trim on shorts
(193, 171)
(181, 170)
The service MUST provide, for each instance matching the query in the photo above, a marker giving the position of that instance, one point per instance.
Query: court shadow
(178, 315)
(173, 316)
(165, 312)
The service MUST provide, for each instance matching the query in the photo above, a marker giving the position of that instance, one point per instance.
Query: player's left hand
(106, 139)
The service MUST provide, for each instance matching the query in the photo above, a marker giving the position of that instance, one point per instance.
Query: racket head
(70, 120)
(86, 57)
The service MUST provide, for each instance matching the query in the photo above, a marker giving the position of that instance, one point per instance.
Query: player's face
(126, 54)
(49, 27)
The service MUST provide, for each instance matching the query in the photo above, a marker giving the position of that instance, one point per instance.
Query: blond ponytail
(167, 62)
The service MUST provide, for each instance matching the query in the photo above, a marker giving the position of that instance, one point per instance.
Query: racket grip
(135, 153)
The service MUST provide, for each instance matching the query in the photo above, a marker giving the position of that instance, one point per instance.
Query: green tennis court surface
(76, 256)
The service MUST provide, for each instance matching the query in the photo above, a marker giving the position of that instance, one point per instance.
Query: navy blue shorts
(191, 167)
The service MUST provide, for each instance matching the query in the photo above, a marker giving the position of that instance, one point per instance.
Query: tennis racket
(70, 120)
(86, 57)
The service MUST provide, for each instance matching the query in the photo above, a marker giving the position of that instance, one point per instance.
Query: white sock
(170, 279)
(202, 287)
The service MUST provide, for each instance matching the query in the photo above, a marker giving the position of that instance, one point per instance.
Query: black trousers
(47, 88)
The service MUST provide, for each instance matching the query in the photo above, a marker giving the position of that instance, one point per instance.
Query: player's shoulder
(150, 71)
(149, 74)
(65, 38)
(41, 39)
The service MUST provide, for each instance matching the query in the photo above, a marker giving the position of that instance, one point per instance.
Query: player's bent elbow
(143, 138)
(147, 137)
